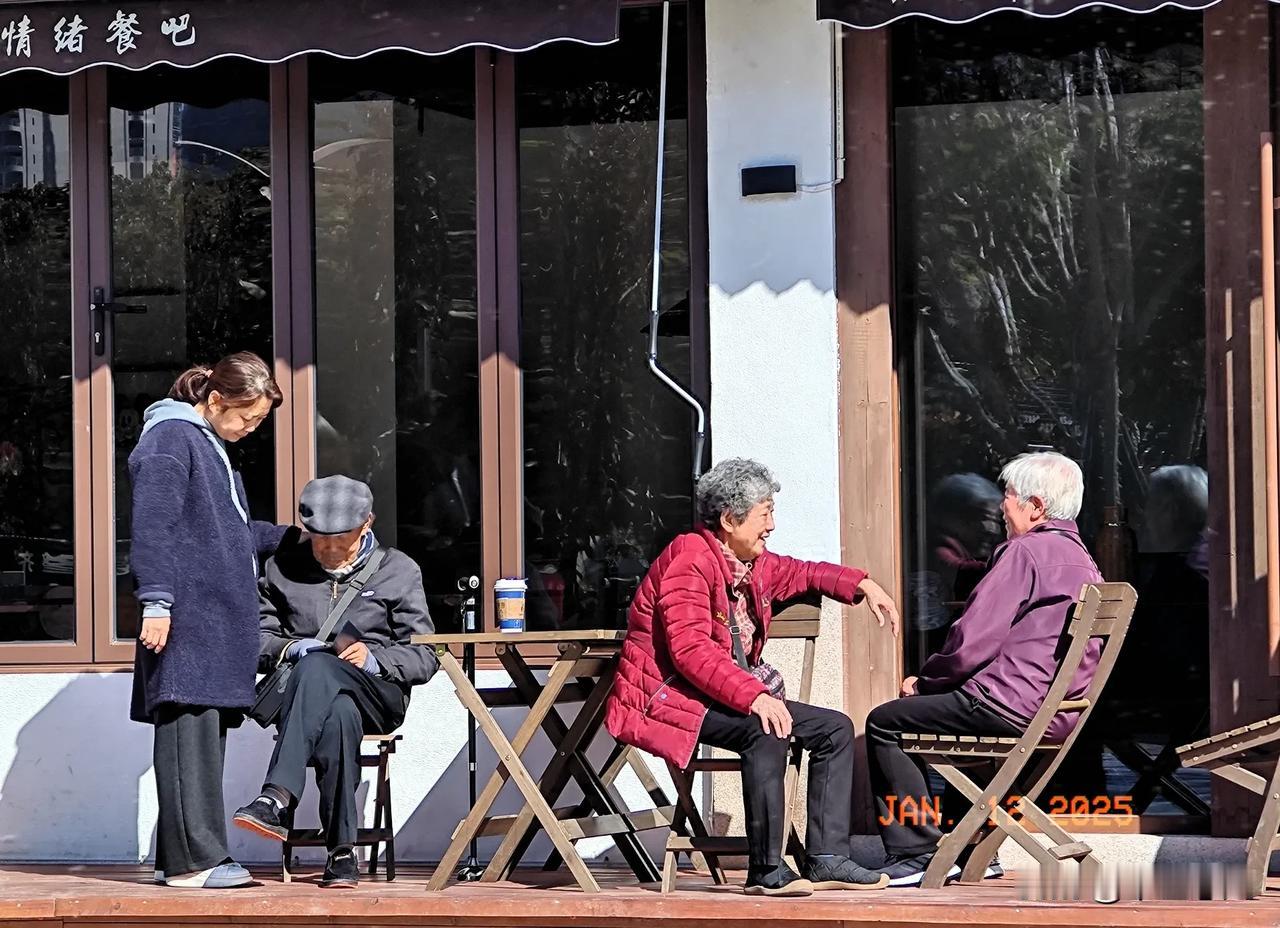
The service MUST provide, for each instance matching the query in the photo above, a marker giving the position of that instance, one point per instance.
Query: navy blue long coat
(192, 548)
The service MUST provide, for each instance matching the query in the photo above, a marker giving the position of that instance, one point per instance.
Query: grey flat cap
(332, 505)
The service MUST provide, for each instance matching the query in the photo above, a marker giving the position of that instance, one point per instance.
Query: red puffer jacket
(677, 657)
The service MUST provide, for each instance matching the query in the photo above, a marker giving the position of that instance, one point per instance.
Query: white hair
(1053, 477)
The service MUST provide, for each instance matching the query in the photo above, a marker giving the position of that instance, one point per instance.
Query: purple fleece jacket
(1004, 650)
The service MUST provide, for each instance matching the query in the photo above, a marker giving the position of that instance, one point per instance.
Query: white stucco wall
(774, 360)
(773, 323)
(76, 782)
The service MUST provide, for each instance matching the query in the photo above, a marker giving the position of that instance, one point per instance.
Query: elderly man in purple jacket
(1000, 656)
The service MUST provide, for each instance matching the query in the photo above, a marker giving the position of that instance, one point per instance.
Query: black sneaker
(782, 881)
(993, 872)
(263, 817)
(903, 870)
(341, 870)
(839, 872)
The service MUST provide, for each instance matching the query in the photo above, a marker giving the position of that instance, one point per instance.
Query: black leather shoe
(782, 881)
(837, 872)
(341, 870)
(263, 817)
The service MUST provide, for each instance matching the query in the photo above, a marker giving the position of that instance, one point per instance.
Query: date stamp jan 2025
(928, 810)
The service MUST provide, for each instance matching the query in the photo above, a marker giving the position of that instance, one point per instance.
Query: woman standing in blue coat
(195, 557)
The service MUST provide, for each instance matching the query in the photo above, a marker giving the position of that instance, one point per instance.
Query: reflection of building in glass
(33, 148)
(140, 139)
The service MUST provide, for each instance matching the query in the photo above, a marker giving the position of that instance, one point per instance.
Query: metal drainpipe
(700, 433)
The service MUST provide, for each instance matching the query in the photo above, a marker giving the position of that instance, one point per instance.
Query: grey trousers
(190, 750)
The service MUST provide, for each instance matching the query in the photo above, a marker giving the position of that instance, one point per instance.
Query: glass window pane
(607, 447)
(191, 241)
(1050, 196)
(37, 528)
(397, 395)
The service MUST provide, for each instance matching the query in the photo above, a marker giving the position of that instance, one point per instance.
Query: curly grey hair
(735, 486)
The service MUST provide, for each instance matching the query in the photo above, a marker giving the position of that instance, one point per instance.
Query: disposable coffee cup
(509, 593)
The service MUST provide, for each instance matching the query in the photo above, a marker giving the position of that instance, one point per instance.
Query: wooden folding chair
(381, 832)
(1226, 755)
(1103, 611)
(689, 833)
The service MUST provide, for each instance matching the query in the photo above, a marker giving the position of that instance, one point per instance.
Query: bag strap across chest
(357, 584)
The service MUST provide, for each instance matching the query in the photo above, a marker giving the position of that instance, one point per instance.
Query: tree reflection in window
(1050, 226)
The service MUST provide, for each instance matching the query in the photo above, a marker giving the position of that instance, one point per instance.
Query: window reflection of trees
(606, 445)
(1051, 264)
(36, 486)
(1056, 238)
(396, 326)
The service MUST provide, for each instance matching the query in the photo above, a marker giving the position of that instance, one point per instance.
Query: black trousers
(329, 706)
(189, 753)
(899, 782)
(828, 737)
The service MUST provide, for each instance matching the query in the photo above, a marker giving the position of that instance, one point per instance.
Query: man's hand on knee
(774, 717)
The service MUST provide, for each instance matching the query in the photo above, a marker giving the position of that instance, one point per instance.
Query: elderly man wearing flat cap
(353, 684)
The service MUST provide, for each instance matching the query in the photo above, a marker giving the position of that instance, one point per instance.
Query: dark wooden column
(1237, 110)
(292, 282)
(870, 512)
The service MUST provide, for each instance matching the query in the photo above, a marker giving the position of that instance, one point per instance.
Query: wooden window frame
(80, 651)
(93, 454)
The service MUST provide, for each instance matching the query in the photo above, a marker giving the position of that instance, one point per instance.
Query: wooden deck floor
(123, 896)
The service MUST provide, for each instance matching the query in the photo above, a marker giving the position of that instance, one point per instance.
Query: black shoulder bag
(270, 690)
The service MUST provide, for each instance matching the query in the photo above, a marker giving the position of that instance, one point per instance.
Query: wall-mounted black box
(772, 178)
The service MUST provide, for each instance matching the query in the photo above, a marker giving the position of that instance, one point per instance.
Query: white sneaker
(223, 876)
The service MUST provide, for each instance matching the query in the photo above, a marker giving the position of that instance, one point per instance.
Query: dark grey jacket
(295, 596)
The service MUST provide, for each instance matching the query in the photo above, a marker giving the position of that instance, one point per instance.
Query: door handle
(99, 309)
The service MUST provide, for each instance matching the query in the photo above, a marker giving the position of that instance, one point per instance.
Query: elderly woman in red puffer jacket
(691, 673)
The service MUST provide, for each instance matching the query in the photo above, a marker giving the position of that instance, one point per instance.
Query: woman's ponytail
(241, 379)
(192, 385)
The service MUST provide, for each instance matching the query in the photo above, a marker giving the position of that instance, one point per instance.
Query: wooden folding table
(580, 676)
